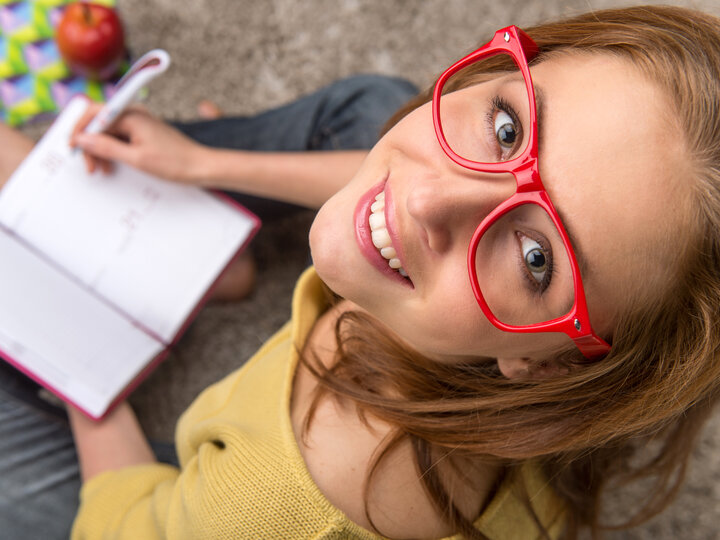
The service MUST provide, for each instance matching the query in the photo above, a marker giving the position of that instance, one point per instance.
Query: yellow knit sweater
(242, 474)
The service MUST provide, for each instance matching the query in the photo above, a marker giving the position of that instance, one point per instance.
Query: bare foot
(208, 110)
(237, 282)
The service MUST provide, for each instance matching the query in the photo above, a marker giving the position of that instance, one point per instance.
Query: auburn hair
(662, 376)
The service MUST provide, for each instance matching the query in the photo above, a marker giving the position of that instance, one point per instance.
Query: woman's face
(611, 163)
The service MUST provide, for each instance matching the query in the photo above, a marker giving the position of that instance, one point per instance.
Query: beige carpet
(248, 56)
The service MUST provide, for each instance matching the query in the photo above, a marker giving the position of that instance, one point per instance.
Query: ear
(526, 368)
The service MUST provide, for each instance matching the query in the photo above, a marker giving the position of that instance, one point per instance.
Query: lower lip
(363, 236)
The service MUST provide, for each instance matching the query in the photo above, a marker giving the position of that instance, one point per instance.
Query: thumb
(104, 147)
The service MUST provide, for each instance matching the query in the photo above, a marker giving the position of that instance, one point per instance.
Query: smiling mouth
(381, 237)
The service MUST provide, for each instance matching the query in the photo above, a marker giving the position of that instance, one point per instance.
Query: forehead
(612, 162)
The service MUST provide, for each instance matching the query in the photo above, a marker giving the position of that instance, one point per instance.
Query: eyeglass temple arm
(592, 346)
(528, 45)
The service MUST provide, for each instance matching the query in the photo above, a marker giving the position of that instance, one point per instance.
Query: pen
(146, 68)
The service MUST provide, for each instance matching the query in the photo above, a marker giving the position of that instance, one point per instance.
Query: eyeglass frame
(525, 169)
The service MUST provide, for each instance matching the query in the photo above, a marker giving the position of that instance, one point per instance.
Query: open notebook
(100, 274)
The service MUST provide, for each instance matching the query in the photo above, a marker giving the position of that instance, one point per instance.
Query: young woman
(526, 291)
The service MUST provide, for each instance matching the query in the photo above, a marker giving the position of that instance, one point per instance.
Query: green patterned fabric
(34, 80)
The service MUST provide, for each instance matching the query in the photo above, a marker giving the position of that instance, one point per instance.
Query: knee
(356, 108)
(379, 96)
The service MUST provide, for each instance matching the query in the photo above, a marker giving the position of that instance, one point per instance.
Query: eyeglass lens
(523, 269)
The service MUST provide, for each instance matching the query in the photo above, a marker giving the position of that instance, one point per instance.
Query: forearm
(113, 443)
(302, 178)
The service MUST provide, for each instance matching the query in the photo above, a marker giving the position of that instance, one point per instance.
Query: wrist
(199, 169)
(222, 168)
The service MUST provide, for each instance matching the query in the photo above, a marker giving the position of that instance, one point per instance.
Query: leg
(345, 115)
(15, 146)
(39, 474)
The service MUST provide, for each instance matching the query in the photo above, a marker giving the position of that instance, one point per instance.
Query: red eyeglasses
(523, 270)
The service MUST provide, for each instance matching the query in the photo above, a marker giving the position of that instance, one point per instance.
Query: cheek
(445, 322)
(448, 325)
(329, 244)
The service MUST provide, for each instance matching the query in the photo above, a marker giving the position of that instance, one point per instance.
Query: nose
(450, 206)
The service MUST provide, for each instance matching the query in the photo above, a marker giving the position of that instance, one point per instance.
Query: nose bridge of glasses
(527, 176)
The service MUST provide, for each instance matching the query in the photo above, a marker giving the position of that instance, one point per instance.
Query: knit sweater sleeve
(127, 504)
(160, 501)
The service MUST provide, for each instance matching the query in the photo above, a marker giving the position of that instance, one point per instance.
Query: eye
(537, 261)
(505, 131)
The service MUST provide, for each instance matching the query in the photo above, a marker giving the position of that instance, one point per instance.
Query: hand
(142, 141)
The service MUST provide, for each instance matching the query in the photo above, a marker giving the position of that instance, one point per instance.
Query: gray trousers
(39, 475)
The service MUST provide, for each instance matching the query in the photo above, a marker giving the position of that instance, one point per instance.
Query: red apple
(90, 39)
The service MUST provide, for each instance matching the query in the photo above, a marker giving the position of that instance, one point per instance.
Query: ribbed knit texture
(242, 475)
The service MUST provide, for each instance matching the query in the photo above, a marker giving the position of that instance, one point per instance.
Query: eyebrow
(540, 105)
(517, 78)
(539, 113)
(579, 256)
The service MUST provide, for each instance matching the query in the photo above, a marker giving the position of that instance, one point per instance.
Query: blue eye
(505, 128)
(537, 261)
(505, 131)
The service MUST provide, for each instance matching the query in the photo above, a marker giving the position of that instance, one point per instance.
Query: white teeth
(388, 252)
(377, 221)
(381, 238)
(380, 235)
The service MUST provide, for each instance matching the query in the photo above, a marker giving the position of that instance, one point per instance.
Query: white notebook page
(148, 246)
(55, 329)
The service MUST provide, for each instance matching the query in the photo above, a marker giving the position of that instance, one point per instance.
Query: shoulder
(339, 449)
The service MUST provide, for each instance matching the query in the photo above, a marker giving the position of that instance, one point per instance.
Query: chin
(329, 251)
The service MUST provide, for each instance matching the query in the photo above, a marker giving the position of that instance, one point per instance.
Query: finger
(106, 166)
(92, 110)
(133, 118)
(87, 116)
(89, 163)
(105, 147)
(93, 163)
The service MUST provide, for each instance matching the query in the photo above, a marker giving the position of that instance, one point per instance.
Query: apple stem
(86, 13)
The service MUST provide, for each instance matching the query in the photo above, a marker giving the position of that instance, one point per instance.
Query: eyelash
(538, 288)
(498, 103)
